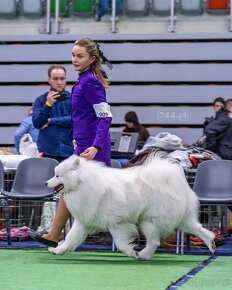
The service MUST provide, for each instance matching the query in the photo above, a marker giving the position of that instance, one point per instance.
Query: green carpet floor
(39, 270)
(216, 276)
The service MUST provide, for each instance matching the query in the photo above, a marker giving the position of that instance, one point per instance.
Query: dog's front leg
(74, 238)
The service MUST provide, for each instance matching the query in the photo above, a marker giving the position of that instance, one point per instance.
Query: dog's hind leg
(152, 236)
(124, 236)
(75, 237)
(195, 228)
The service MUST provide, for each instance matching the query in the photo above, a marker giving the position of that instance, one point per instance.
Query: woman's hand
(89, 153)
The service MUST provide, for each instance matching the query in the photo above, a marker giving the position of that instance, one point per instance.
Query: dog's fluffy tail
(167, 176)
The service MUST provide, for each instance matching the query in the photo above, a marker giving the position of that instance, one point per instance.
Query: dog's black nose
(46, 183)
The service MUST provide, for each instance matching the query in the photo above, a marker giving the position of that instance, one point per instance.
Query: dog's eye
(57, 176)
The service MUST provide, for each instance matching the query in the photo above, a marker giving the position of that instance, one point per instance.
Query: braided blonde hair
(93, 50)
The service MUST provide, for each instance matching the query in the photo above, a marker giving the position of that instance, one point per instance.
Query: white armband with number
(102, 110)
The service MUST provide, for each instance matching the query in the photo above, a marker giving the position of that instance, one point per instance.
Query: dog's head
(66, 174)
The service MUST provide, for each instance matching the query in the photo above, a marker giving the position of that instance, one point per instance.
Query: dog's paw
(213, 247)
(139, 257)
(56, 251)
(144, 256)
(135, 255)
(51, 250)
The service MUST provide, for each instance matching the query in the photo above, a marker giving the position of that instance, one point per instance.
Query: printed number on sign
(103, 114)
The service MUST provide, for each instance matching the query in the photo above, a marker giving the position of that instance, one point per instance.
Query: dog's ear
(76, 162)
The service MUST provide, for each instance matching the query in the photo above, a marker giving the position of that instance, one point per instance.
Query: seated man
(219, 132)
(218, 104)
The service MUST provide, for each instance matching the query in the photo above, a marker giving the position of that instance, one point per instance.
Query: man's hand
(89, 153)
(45, 125)
(51, 97)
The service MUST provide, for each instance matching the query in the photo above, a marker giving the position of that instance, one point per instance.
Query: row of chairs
(188, 7)
(37, 8)
(33, 8)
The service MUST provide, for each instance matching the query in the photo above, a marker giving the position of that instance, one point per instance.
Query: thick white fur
(154, 199)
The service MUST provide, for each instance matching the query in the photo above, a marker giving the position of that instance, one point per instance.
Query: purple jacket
(91, 116)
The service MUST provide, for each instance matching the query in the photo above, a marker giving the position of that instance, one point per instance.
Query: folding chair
(218, 7)
(213, 185)
(115, 163)
(8, 8)
(63, 7)
(161, 7)
(213, 182)
(191, 7)
(83, 7)
(29, 184)
(136, 7)
(32, 8)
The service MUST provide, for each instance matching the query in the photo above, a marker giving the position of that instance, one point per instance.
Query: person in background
(104, 7)
(218, 104)
(133, 126)
(219, 132)
(91, 120)
(52, 116)
(26, 127)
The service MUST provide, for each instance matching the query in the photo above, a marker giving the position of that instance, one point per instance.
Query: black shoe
(41, 240)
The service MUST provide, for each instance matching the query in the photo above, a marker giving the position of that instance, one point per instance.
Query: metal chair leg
(177, 241)
(7, 219)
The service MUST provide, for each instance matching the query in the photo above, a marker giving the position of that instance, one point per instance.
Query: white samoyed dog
(154, 199)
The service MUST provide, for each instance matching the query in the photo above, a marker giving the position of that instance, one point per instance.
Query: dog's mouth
(58, 188)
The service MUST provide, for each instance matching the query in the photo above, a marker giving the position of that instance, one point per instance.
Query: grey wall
(171, 84)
